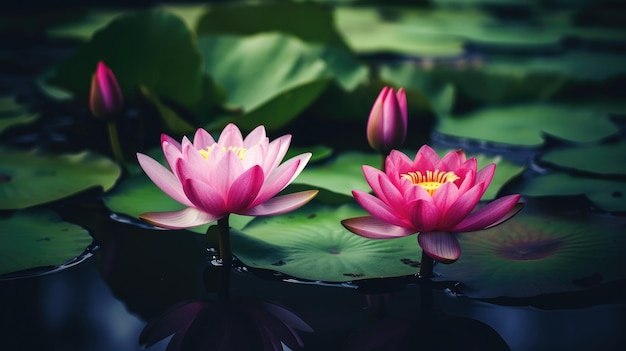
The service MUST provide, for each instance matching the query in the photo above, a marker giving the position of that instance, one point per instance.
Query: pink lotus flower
(435, 197)
(232, 175)
(387, 123)
(105, 98)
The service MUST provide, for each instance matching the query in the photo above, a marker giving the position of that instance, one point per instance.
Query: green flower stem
(226, 257)
(383, 158)
(426, 266)
(116, 146)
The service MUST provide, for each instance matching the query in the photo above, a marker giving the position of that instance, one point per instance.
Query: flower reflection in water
(237, 324)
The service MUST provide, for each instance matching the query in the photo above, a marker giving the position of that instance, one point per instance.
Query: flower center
(238, 150)
(430, 181)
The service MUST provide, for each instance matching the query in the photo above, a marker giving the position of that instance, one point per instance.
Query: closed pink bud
(105, 98)
(387, 123)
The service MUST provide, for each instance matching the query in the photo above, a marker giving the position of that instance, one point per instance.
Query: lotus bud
(105, 99)
(387, 123)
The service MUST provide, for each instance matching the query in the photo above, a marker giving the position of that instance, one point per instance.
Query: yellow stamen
(431, 181)
(239, 151)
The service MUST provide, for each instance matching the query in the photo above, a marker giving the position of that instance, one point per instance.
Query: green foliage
(49, 177)
(38, 238)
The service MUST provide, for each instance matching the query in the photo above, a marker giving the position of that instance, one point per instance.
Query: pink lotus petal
(230, 136)
(205, 197)
(224, 173)
(374, 228)
(451, 161)
(379, 209)
(256, 136)
(202, 139)
(397, 163)
(372, 178)
(425, 216)
(186, 218)
(392, 196)
(164, 179)
(245, 189)
(276, 152)
(462, 207)
(281, 204)
(282, 176)
(518, 207)
(426, 153)
(488, 215)
(446, 196)
(485, 175)
(401, 97)
(440, 246)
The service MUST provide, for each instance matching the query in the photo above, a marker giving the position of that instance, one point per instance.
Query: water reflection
(238, 324)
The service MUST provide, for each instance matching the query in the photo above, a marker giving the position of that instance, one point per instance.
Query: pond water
(538, 90)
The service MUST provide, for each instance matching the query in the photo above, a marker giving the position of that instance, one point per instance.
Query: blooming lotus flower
(434, 196)
(232, 175)
(387, 123)
(105, 98)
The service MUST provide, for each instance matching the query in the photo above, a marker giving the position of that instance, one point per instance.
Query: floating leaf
(153, 48)
(39, 239)
(342, 175)
(84, 27)
(607, 195)
(539, 252)
(12, 113)
(608, 159)
(366, 31)
(311, 243)
(29, 178)
(525, 125)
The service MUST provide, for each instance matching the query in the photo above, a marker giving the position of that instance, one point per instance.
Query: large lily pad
(29, 178)
(12, 113)
(366, 31)
(607, 159)
(311, 243)
(311, 22)
(272, 77)
(153, 48)
(32, 239)
(607, 195)
(525, 125)
(540, 252)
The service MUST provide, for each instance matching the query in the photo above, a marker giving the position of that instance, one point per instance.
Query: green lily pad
(12, 113)
(310, 22)
(153, 48)
(272, 77)
(608, 195)
(29, 178)
(83, 28)
(539, 252)
(342, 175)
(137, 194)
(39, 239)
(607, 159)
(310, 243)
(367, 32)
(525, 125)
